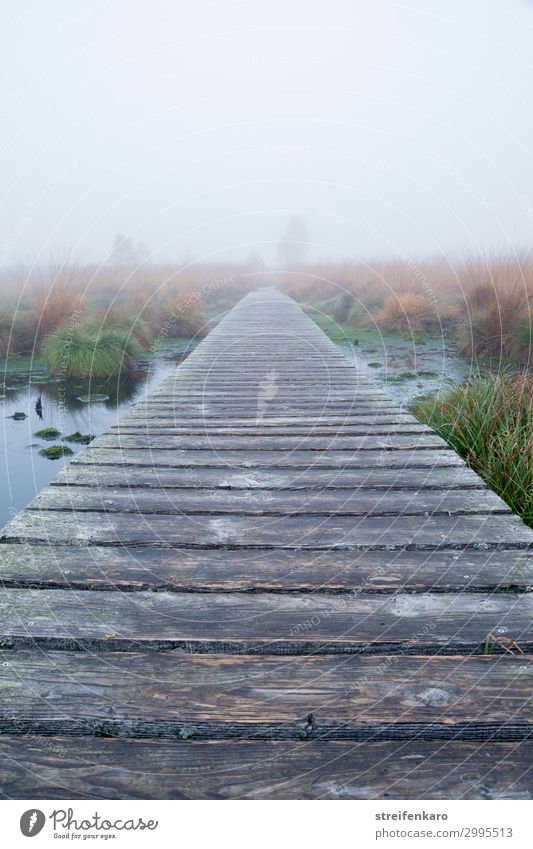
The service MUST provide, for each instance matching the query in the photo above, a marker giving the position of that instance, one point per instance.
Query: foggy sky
(395, 128)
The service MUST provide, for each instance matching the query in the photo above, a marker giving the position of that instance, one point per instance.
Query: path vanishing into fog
(267, 581)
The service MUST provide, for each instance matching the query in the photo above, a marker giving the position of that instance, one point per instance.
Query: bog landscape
(266, 514)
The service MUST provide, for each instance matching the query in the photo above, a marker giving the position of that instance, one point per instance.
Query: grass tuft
(48, 433)
(90, 350)
(54, 452)
(489, 421)
(80, 438)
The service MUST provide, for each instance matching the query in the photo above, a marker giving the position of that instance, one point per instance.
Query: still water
(23, 472)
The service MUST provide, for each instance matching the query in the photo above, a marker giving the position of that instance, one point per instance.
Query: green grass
(489, 421)
(80, 438)
(88, 350)
(56, 451)
(339, 331)
(48, 433)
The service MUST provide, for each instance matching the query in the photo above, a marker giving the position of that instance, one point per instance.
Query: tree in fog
(254, 261)
(293, 246)
(123, 252)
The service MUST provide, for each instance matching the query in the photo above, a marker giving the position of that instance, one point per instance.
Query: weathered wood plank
(386, 442)
(212, 570)
(454, 477)
(263, 623)
(209, 697)
(264, 502)
(306, 423)
(83, 768)
(423, 458)
(289, 532)
(165, 427)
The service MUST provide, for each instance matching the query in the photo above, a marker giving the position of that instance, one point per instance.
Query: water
(405, 368)
(23, 471)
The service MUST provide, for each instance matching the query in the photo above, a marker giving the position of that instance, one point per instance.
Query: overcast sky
(395, 128)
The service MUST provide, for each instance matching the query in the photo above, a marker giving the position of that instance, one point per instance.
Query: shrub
(86, 351)
(489, 421)
(186, 318)
(495, 307)
(57, 306)
(407, 312)
(17, 332)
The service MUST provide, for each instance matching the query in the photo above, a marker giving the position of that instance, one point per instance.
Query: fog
(200, 127)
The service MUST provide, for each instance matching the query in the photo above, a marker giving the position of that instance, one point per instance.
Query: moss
(81, 438)
(48, 433)
(55, 452)
(19, 417)
(375, 365)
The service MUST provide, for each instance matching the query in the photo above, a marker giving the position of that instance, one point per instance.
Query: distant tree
(254, 261)
(143, 253)
(293, 246)
(123, 252)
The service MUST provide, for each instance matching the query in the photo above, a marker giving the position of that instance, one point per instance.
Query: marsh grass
(90, 350)
(489, 421)
(55, 452)
(48, 433)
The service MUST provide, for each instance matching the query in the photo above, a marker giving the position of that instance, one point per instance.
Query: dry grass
(408, 313)
(496, 308)
(488, 300)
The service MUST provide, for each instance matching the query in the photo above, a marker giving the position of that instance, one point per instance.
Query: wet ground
(71, 406)
(407, 368)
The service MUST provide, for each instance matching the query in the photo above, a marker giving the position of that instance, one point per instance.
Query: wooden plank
(354, 418)
(244, 623)
(172, 458)
(36, 767)
(400, 442)
(265, 502)
(241, 409)
(210, 697)
(212, 570)
(164, 427)
(267, 426)
(453, 477)
(287, 532)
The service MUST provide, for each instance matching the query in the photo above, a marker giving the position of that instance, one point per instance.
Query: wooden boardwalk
(268, 582)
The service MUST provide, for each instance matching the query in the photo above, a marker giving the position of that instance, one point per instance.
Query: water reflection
(55, 402)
